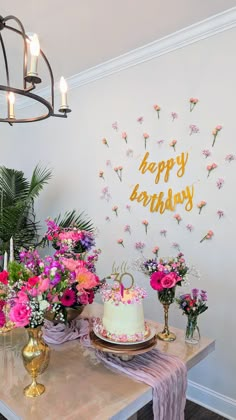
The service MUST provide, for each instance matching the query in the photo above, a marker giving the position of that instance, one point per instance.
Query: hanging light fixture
(30, 77)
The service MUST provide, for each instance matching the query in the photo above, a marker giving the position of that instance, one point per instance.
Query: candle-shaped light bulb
(34, 50)
(63, 89)
(5, 261)
(11, 250)
(11, 99)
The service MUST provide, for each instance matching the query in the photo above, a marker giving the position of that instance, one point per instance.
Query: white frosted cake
(123, 317)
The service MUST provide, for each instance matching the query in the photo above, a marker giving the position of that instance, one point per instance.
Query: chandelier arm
(23, 34)
(5, 60)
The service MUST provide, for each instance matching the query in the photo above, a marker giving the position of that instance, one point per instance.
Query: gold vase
(166, 297)
(36, 355)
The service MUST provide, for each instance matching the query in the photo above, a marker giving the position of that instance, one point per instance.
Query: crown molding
(204, 29)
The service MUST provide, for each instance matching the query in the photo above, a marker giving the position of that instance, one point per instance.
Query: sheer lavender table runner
(166, 374)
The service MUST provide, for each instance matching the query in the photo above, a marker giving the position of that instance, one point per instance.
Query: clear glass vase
(192, 333)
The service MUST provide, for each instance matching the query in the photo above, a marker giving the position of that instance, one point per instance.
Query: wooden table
(77, 386)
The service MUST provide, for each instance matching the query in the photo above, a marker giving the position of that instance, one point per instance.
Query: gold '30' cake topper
(119, 272)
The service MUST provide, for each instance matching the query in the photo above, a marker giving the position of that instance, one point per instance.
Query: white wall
(74, 150)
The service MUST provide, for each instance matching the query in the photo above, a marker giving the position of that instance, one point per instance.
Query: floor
(192, 412)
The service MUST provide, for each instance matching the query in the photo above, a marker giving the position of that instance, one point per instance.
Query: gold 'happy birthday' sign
(157, 202)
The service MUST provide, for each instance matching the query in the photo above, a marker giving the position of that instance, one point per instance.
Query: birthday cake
(123, 316)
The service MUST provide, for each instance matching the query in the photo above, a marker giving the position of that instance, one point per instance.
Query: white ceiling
(78, 34)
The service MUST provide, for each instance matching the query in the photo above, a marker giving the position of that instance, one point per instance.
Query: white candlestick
(63, 89)
(11, 250)
(34, 50)
(11, 98)
(5, 261)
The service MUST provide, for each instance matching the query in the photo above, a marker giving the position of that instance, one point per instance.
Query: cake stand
(125, 352)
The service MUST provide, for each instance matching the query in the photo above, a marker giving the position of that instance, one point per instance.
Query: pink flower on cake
(174, 116)
(193, 102)
(215, 133)
(173, 144)
(120, 242)
(157, 109)
(145, 136)
(211, 168)
(124, 136)
(145, 223)
(209, 235)
(20, 315)
(206, 153)
(201, 205)
(178, 218)
(115, 209)
(104, 141)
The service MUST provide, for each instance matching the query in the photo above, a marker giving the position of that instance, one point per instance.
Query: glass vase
(36, 355)
(166, 297)
(192, 333)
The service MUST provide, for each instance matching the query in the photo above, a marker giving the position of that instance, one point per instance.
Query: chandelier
(30, 77)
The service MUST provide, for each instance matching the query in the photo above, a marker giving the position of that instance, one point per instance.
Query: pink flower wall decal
(193, 102)
(115, 209)
(115, 125)
(107, 218)
(160, 141)
(201, 205)
(209, 235)
(128, 207)
(104, 141)
(155, 251)
(124, 136)
(174, 116)
(145, 136)
(101, 174)
(105, 194)
(178, 218)
(118, 170)
(163, 232)
(220, 213)
(145, 224)
(140, 120)
(215, 132)
(189, 227)
(157, 109)
(108, 163)
(210, 168)
(176, 246)
(193, 129)
(129, 153)
(230, 157)
(139, 246)
(219, 183)
(206, 153)
(127, 228)
(120, 242)
(173, 144)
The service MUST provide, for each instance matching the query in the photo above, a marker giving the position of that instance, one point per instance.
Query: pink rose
(20, 315)
(155, 280)
(169, 281)
(43, 285)
(83, 299)
(22, 297)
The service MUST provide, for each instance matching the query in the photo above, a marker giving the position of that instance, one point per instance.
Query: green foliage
(71, 218)
(17, 271)
(17, 216)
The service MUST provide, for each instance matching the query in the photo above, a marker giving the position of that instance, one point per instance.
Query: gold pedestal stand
(166, 334)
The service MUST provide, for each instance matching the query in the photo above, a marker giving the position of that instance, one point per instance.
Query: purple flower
(195, 293)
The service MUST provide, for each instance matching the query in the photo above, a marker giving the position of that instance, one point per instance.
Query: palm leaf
(40, 177)
(80, 220)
